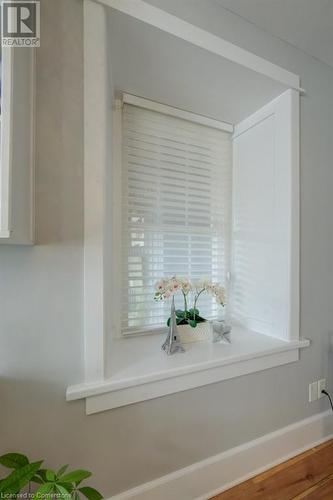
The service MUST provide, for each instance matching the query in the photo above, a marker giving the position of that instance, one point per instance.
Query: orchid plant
(167, 287)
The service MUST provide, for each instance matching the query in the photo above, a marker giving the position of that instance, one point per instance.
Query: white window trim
(6, 140)
(142, 371)
(101, 389)
(17, 119)
(176, 112)
(175, 26)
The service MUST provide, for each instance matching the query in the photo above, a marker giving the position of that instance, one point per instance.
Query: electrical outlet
(313, 392)
(321, 387)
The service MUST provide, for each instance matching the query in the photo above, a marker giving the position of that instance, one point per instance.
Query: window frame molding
(97, 343)
(176, 112)
(17, 169)
(175, 26)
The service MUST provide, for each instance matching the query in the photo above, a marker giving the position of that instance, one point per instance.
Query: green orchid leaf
(192, 323)
(19, 478)
(90, 493)
(62, 470)
(13, 460)
(168, 322)
(199, 319)
(194, 311)
(76, 476)
(180, 313)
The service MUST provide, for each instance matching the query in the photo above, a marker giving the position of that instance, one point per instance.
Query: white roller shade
(176, 192)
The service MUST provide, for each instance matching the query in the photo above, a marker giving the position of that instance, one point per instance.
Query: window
(263, 116)
(176, 197)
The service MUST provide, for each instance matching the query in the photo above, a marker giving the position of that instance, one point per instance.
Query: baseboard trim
(204, 479)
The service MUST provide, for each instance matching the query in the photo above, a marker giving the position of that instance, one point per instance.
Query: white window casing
(135, 369)
(17, 121)
(265, 219)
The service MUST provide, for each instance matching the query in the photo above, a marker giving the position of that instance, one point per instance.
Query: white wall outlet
(321, 387)
(313, 392)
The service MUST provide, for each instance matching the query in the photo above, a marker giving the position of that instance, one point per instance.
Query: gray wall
(41, 350)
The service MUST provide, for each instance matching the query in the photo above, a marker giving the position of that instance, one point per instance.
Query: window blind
(176, 192)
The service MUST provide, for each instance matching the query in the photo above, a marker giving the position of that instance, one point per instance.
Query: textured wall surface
(41, 336)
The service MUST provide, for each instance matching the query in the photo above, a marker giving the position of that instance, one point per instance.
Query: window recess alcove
(147, 68)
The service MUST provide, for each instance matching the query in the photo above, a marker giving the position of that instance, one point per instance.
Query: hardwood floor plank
(313, 489)
(283, 466)
(321, 491)
(309, 473)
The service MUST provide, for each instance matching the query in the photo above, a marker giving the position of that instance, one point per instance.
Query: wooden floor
(309, 475)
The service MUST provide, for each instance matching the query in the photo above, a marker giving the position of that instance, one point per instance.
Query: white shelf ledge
(141, 371)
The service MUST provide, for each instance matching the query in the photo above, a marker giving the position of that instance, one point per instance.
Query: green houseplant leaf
(44, 490)
(90, 493)
(76, 476)
(13, 460)
(62, 470)
(40, 476)
(50, 475)
(64, 486)
(192, 323)
(19, 478)
(64, 493)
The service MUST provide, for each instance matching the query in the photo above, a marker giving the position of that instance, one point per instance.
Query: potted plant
(29, 480)
(192, 326)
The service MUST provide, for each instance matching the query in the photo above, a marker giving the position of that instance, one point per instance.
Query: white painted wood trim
(6, 140)
(182, 29)
(17, 172)
(293, 104)
(116, 255)
(178, 113)
(285, 110)
(113, 394)
(95, 157)
(33, 149)
(209, 477)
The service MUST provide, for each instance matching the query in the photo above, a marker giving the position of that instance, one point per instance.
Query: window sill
(141, 371)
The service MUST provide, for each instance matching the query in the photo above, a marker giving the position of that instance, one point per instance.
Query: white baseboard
(202, 480)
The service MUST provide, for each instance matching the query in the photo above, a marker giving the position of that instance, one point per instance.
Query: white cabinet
(17, 146)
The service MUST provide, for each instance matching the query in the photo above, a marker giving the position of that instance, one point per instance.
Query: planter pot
(201, 333)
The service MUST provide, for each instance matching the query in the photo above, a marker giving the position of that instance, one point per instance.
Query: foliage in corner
(47, 483)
